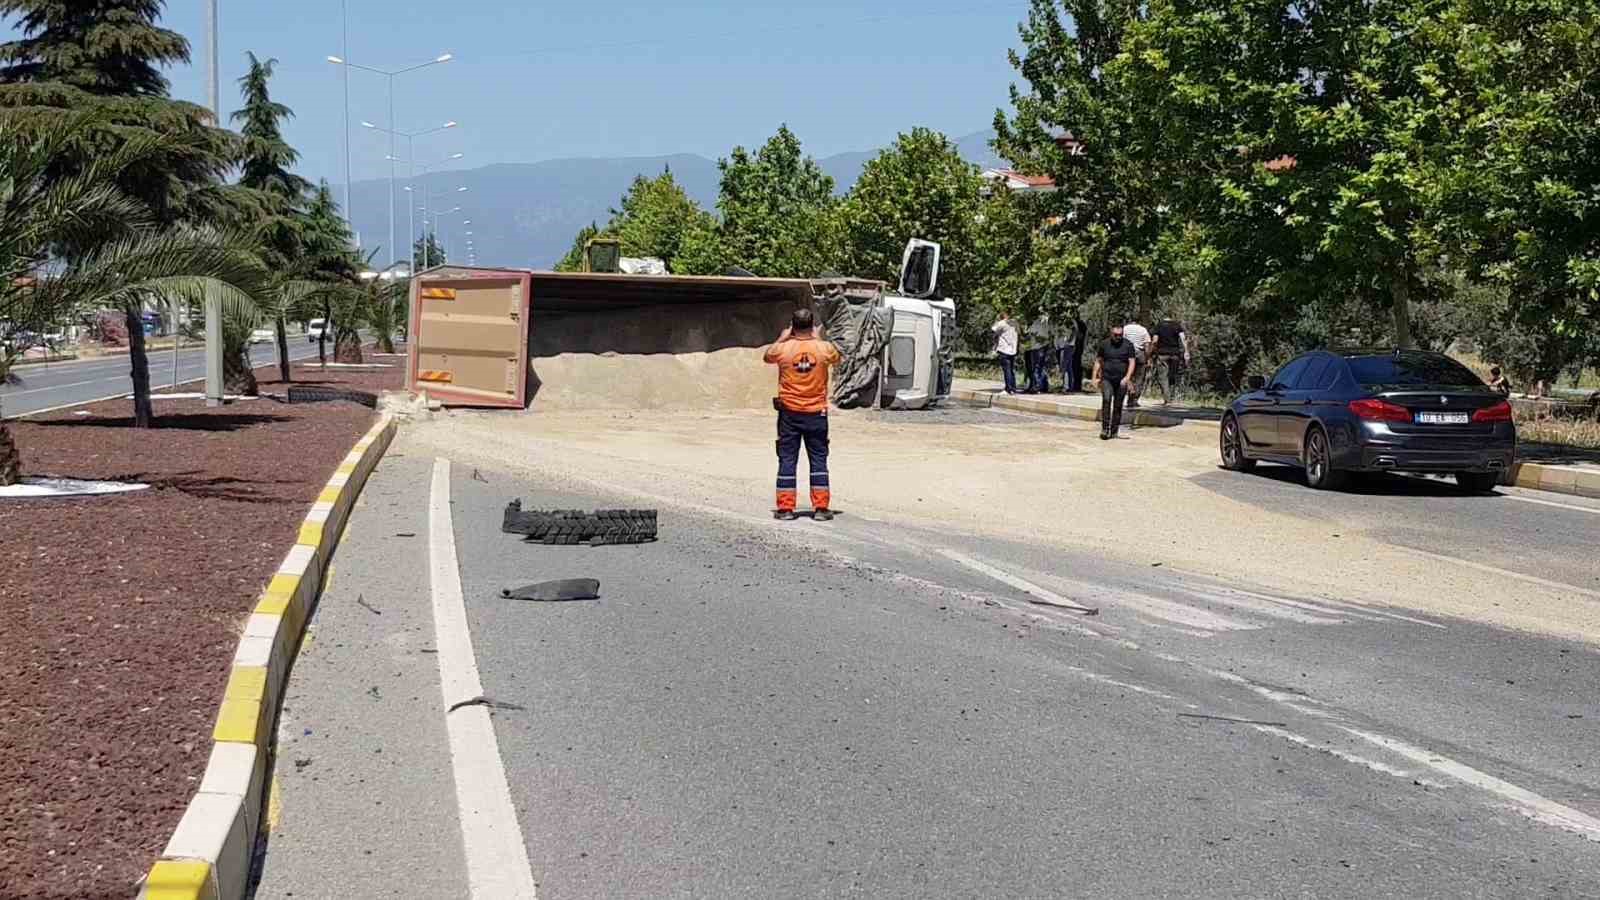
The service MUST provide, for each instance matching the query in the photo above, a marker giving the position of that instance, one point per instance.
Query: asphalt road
(40, 387)
(858, 708)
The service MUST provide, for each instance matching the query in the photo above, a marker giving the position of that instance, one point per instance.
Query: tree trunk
(143, 411)
(1400, 293)
(283, 352)
(237, 375)
(347, 347)
(10, 459)
(322, 338)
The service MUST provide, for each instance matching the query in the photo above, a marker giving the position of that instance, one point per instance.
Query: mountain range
(524, 215)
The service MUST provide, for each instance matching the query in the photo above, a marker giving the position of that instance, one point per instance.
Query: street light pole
(344, 16)
(394, 254)
(213, 304)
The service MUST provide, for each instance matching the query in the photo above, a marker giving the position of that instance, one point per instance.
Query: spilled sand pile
(732, 378)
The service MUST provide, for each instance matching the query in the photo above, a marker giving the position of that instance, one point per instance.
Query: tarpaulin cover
(859, 324)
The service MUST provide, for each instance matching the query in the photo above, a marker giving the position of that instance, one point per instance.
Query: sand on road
(1024, 478)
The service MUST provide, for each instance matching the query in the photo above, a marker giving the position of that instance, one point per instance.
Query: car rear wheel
(1320, 472)
(1477, 482)
(1232, 446)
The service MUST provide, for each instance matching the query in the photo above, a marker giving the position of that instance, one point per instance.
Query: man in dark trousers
(803, 359)
(1075, 333)
(1115, 361)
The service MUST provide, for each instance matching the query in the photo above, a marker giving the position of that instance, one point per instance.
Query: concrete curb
(209, 855)
(1577, 481)
(1044, 405)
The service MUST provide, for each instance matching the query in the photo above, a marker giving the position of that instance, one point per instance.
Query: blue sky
(534, 81)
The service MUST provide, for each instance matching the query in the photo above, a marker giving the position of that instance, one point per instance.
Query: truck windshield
(1398, 371)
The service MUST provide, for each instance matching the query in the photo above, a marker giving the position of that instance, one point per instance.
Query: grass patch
(1565, 432)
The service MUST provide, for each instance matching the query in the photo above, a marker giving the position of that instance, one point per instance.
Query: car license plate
(1442, 418)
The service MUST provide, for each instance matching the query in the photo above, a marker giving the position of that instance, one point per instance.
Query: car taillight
(1500, 412)
(1374, 410)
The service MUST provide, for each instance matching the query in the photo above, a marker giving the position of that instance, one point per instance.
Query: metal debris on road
(1233, 720)
(478, 476)
(560, 589)
(361, 601)
(485, 701)
(1086, 610)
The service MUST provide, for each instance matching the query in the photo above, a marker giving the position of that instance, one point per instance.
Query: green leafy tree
(427, 253)
(655, 217)
(267, 170)
(328, 256)
(122, 259)
(778, 210)
(573, 261)
(920, 187)
(104, 57)
(104, 47)
(1310, 143)
(1108, 218)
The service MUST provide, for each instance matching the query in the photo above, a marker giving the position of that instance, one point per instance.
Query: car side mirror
(1255, 382)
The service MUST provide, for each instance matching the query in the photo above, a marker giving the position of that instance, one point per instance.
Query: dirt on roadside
(1021, 478)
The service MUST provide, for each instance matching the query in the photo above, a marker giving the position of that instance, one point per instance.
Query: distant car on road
(315, 329)
(1335, 413)
(263, 336)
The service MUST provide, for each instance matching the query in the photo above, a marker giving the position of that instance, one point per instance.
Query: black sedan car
(1334, 413)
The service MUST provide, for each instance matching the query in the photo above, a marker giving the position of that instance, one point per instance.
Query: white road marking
(1372, 764)
(1027, 587)
(1593, 510)
(1526, 802)
(496, 853)
(57, 387)
(1267, 607)
(1503, 573)
(1342, 608)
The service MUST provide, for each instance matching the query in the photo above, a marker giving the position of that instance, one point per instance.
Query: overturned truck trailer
(550, 340)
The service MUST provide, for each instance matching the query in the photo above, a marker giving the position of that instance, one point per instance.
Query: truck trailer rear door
(469, 336)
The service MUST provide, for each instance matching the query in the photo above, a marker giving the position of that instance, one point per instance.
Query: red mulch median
(122, 613)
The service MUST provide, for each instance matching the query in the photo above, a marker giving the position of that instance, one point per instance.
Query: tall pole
(213, 304)
(411, 205)
(394, 255)
(344, 13)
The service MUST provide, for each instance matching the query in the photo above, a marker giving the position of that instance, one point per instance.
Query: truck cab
(918, 362)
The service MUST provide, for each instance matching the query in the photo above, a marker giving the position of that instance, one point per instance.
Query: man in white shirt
(1139, 337)
(1005, 347)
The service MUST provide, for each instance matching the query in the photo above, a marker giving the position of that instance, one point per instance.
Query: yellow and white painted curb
(209, 855)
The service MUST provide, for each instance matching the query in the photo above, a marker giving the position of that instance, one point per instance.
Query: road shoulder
(363, 803)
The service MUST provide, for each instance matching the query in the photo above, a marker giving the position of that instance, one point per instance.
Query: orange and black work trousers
(793, 430)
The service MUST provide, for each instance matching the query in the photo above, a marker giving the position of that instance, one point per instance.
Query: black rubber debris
(576, 526)
(561, 589)
(311, 394)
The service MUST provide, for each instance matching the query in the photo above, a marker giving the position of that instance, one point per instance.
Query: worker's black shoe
(823, 515)
(784, 515)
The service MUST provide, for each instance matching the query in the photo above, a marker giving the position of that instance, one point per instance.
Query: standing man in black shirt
(1115, 361)
(1171, 349)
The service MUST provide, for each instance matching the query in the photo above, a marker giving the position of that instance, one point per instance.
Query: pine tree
(104, 57)
(266, 170)
(104, 47)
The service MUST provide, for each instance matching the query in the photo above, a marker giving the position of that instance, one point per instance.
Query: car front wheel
(1320, 472)
(1232, 446)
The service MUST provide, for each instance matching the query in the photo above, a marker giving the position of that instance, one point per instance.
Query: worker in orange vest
(803, 359)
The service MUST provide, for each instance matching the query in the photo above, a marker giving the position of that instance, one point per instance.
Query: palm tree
(386, 311)
(78, 242)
